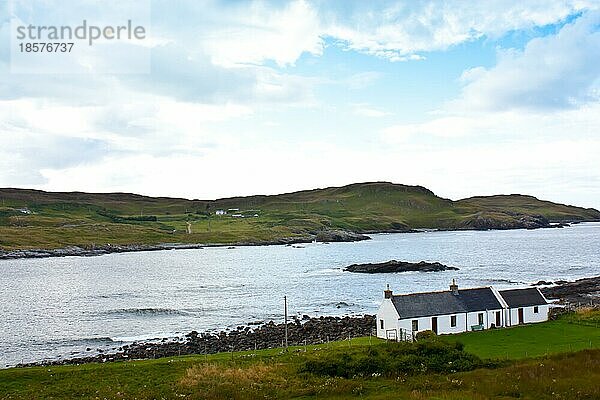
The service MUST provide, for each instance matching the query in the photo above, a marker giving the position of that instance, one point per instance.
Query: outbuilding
(525, 306)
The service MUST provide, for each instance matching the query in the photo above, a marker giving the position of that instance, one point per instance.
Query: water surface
(59, 307)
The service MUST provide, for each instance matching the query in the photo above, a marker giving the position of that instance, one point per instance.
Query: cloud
(404, 31)
(262, 31)
(552, 72)
(475, 126)
(364, 110)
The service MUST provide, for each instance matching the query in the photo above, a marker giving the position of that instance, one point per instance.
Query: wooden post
(286, 321)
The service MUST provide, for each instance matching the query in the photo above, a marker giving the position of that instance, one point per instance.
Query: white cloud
(401, 31)
(260, 31)
(552, 72)
(364, 110)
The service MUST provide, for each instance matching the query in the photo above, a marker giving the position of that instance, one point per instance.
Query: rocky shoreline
(398, 266)
(305, 331)
(585, 290)
(324, 236)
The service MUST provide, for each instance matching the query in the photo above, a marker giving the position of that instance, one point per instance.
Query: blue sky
(267, 97)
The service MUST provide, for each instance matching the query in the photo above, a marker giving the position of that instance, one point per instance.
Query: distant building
(220, 212)
(401, 317)
(237, 216)
(233, 209)
(24, 210)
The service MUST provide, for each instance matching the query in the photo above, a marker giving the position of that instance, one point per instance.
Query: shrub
(425, 335)
(393, 359)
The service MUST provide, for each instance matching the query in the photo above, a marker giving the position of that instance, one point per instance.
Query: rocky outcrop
(339, 236)
(270, 335)
(398, 266)
(503, 221)
(580, 291)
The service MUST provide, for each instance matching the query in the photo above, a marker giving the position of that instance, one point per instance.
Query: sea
(57, 308)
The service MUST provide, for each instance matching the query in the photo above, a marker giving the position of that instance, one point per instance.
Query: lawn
(277, 374)
(563, 335)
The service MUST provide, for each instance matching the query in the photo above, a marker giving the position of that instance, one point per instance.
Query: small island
(398, 266)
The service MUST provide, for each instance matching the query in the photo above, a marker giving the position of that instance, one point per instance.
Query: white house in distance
(400, 317)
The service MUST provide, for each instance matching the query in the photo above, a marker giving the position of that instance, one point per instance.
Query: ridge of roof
(440, 291)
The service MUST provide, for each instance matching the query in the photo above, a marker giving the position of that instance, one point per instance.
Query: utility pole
(285, 318)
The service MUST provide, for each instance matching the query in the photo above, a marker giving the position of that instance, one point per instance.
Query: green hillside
(37, 219)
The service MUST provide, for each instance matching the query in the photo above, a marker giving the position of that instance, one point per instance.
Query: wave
(146, 311)
(83, 341)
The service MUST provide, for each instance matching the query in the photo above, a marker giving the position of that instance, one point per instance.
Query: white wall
(528, 315)
(387, 312)
(464, 322)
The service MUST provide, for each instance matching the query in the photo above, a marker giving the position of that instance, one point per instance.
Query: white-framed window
(381, 323)
(453, 321)
(415, 325)
(536, 309)
(480, 318)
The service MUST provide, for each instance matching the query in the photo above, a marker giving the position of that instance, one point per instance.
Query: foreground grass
(275, 374)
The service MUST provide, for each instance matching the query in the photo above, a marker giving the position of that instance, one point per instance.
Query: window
(381, 323)
(415, 325)
(453, 321)
(480, 318)
(536, 309)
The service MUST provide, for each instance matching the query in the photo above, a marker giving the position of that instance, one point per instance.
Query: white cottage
(401, 317)
(524, 306)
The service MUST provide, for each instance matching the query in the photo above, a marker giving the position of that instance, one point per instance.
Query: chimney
(454, 287)
(387, 294)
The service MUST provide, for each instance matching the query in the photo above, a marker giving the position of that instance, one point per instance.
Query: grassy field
(35, 219)
(564, 335)
(275, 374)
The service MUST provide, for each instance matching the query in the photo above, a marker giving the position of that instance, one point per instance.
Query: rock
(485, 220)
(268, 335)
(398, 266)
(582, 290)
(339, 236)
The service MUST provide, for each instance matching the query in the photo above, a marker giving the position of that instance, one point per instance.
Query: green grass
(271, 374)
(563, 335)
(88, 219)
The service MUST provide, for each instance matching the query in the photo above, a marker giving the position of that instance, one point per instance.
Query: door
(434, 327)
(498, 322)
(521, 316)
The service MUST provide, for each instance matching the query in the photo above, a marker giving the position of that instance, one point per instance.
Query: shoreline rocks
(244, 338)
(583, 290)
(398, 266)
(339, 236)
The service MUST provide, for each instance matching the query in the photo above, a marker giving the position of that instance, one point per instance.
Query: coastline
(322, 237)
(301, 331)
(305, 331)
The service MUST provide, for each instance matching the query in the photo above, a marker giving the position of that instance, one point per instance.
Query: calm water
(56, 307)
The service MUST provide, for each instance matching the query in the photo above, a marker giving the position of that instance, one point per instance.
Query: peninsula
(38, 223)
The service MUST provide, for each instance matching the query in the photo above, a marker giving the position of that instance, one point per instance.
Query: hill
(32, 219)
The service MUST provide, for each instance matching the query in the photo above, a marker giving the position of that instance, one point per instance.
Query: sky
(249, 97)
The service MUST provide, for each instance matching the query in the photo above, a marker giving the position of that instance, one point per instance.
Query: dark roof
(442, 303)
(523, 297)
